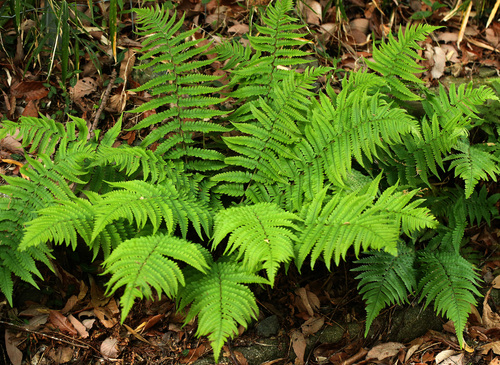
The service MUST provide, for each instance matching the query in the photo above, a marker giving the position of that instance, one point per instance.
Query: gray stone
(411, 322)
(268, 327)
(265, 349)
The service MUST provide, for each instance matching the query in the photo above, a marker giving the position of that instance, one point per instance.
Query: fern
(145, 262)
(473, 164)
(220, 300)
(386, 279)
(262, 234)
(178, 84)
(396, 59)
(450, 281)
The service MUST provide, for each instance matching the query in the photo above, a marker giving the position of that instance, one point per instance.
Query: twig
(20, 328)
(104, 101)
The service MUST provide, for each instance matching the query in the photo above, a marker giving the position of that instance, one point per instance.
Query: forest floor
(312, 317)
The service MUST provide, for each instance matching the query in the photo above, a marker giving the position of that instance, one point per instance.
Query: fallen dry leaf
(299, 346)
(83, 88)
(384, 350)
(193, 355)
(312, 11)
(239, 29)
(109, 348)
(490, 318)
(308, 301)
(32, 90)
(61, 355)
(493, 346)
(80, 328)
(11, 144)
(11, 342)
(312, 325)
(444, 355)
(453, 360)
(105, 316)
(62, 323)
(439, 58)
(127, 64)
(30, 110)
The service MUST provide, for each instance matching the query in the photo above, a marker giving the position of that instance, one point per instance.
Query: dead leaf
(70, 303)
(458, 359)
(239, 28)
(308, 301)
(36, 322)
(240, 358)
(62, 323)
(98, 297)
(312, 325)
(193, 355)
(447, 37)
(312, 11)
(444, 355)
(105, 316)
(135, 334)
(494, 346)
(127, 64)
(360, 24)
(384, 350)
(495, 361)
(32, 90)
(439, 58)
(11, 144)
(490, 318)
(61, 355)
(81, 329)
(299, 346)
(83, 88)
(11, 342)
(109, 348)
(30, 110)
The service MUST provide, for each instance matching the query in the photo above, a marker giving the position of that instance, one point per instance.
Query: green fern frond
(220, 300)
(145, 262)
(451, 282)
(457, 103)
(142, 201)
(474, 163)
(333, 224)
(396, 59)
(178, 83)
(262, 234)
(353, 127)
(62, 223)
(385, 279)
(132, 159)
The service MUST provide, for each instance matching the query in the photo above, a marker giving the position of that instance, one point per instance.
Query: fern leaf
(141, 201)
(385, 279)
(451, 282)
(333, 224)
(262, 234)
(396, 58)
(145, 262)
(474, 163)
(220, 300)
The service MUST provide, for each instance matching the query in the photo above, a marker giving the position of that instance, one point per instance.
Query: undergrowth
(304, 177)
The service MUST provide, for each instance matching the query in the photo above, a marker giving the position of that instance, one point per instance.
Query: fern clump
(305, 176)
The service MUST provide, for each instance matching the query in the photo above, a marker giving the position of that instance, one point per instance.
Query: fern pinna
(304, 177)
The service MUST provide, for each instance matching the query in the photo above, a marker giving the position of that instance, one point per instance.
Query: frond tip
(220, 300)
(262, 234)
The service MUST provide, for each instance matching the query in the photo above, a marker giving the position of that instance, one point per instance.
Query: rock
(411, 322)
(266, 349)
(268, 327)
